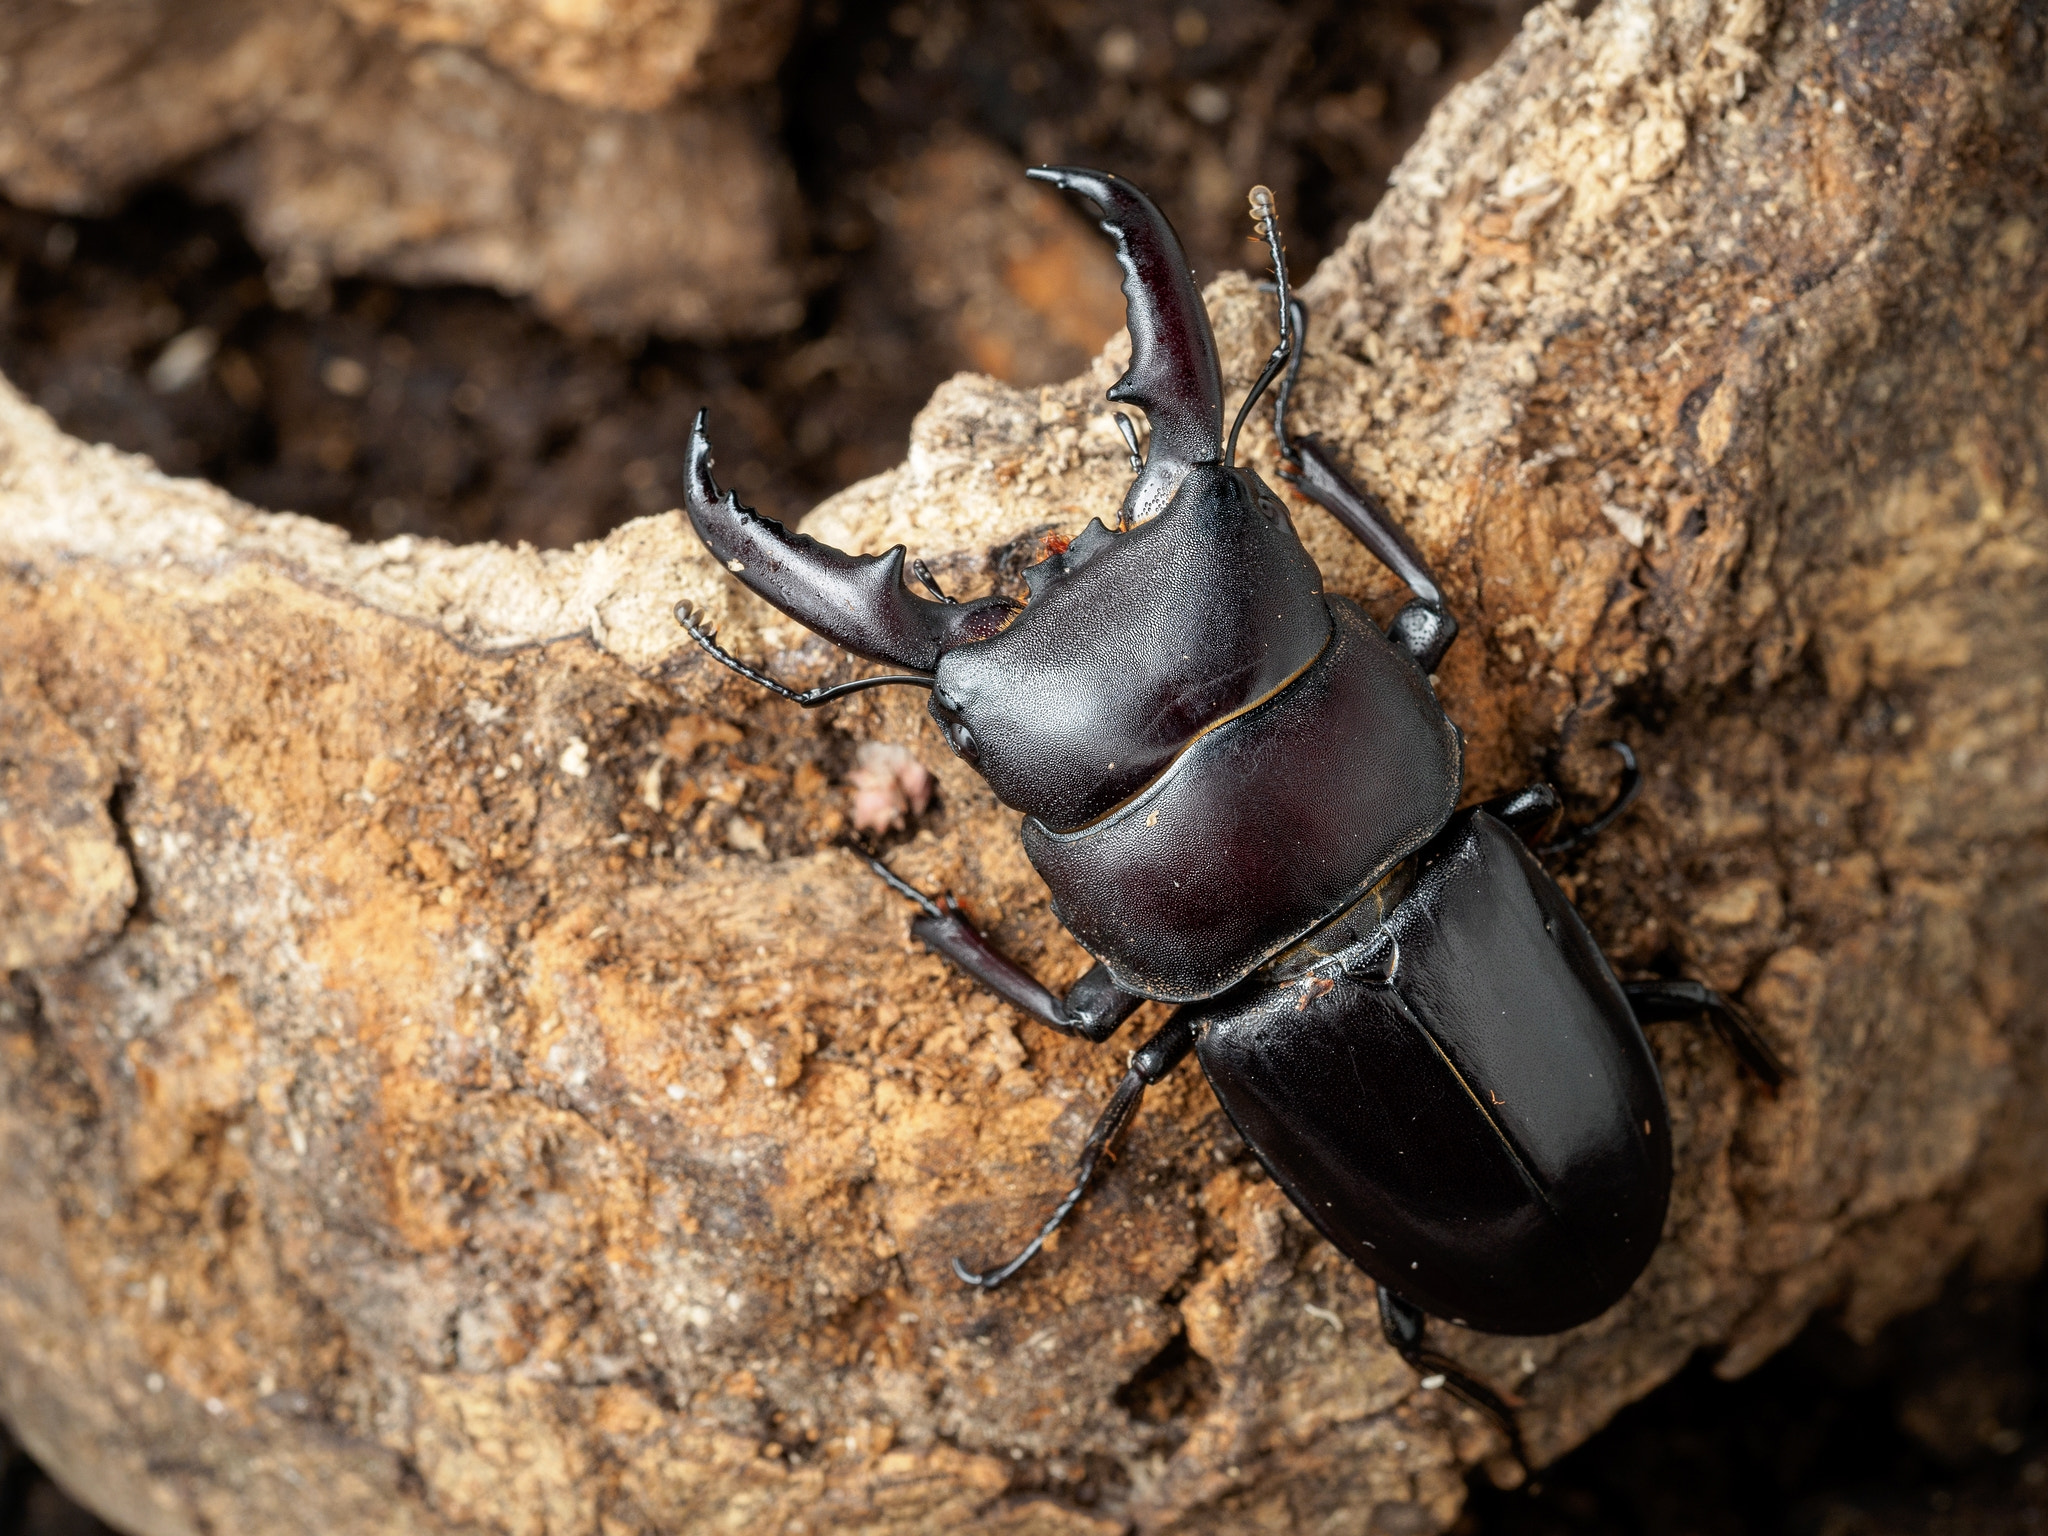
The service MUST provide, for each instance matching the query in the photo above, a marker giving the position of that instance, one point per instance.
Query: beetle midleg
(1658, 1002)
(1094, 1007)
(1149, 1063)
(1405, 1326)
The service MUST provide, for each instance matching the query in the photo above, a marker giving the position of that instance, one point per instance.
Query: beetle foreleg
(1093, 1008)
(1405, 1325)
(1657, 1002)
(1425, 628)
(1149, 1063)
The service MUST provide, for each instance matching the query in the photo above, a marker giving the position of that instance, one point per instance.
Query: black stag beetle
(1244, 797)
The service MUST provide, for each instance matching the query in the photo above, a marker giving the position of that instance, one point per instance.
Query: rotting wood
(447, 1135)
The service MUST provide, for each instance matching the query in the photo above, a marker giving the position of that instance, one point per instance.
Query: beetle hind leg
(1405, 1326)
(1149, 1063)
(1689, 1002)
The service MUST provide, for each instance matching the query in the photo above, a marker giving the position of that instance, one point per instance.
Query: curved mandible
(858, 602)
(1174, 374)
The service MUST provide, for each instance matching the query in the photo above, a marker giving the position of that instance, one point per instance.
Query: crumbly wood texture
(450, 1079)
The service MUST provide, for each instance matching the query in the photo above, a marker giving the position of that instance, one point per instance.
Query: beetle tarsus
(1149, 1063)
(1405, 1326)
(1121, 1107)
(1686, 1001)
(706, 636)
(903, 887)
(1624, 797)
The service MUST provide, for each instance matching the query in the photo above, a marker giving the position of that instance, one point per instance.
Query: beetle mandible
(1244, 798)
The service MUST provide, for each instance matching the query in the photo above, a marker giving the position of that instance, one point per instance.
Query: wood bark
(451, 1079)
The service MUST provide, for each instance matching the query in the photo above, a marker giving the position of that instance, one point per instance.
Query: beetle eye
(962, 741)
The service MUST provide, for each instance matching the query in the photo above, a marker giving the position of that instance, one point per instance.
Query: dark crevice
(117, 813)
(1177, 1385)
(1938, 1426)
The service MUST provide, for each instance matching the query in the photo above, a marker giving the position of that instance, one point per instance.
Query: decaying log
(451, 1078)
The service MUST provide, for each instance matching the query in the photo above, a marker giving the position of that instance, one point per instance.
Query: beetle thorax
(1132, 645)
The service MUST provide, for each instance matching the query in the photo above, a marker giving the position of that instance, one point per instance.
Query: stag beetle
(1244, 798)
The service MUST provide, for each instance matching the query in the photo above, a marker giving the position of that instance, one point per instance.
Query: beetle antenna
(1268, 219)
(1299, 313)
(707, 637)
(1123, 425)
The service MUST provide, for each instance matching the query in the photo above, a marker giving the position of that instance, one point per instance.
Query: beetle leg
(1405, 1325)
(1657, 1002)
(1149, 1063)
(1527, 811)
(1094, 1007)
(858, 602)
(1425, 628)
(1624, 797)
